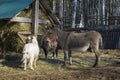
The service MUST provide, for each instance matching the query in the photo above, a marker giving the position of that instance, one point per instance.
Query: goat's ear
(35, 35)
(29, 37)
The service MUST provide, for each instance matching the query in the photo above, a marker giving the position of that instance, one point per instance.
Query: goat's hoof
(24, 69)
(35, 66)
(32, 69)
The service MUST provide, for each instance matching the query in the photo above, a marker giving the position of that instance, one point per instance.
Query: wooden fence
(111, 38)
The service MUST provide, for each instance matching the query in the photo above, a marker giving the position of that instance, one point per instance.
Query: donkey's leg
(97, 59)
(70, 57)
(65, 57)
(53, 54)
(95, 51)
(56, 52)
(46, 53)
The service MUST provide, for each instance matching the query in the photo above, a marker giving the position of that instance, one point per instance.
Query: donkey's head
(49, 39)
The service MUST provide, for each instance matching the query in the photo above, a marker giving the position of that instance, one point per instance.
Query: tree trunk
(103, 11)
(54, 6)
(61, 14)
(74, 5)
(85, 12)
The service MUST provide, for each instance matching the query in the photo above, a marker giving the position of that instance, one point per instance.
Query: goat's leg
(31, 63)
(25, 64)
(35, 63)
(35, 60)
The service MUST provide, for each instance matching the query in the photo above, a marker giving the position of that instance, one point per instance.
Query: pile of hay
(9, 39)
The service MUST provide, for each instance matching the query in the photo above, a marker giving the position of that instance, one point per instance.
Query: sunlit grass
(54, 69)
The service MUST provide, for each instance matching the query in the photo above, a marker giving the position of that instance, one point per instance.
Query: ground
(52, 69)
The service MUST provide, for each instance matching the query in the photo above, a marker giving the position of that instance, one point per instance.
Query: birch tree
(74, 5)
(54, 6)
(103, 11)
(80, 14)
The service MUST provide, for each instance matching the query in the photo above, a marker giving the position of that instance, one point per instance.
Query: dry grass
(109, 68)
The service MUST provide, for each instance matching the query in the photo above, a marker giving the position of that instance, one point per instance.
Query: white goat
(31, 53)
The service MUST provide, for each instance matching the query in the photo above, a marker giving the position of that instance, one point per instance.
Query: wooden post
(35, 14)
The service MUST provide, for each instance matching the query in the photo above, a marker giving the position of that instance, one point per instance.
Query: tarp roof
(9, 8)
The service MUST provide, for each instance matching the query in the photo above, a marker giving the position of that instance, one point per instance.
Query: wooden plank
(21, 38)
(51, 16)
(27, 33)
(20, 19)
(27, 20)
(35, 14)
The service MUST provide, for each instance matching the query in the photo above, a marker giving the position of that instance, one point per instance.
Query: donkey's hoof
(70, 63)
(64, 64)
(95, 66)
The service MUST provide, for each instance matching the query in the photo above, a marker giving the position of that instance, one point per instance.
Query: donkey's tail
(101, 42)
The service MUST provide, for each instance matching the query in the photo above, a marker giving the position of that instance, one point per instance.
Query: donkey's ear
(47, 27)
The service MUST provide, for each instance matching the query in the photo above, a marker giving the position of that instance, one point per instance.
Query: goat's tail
(25, 53)
(25, 57)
